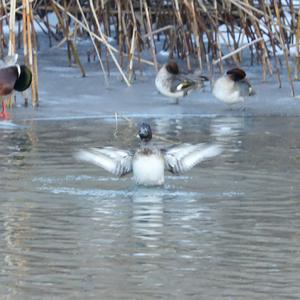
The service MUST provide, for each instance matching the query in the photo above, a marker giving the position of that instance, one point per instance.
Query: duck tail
(203, 78)
(252, 91)
(185, 85)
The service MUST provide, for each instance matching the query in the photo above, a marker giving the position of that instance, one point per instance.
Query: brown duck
(13, 77)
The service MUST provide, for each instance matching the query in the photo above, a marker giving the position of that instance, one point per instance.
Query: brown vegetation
(206, 32)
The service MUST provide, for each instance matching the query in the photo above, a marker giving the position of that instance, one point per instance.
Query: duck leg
(4, 115)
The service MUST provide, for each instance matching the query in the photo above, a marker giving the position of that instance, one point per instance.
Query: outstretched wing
(184, 157)
(113, 160)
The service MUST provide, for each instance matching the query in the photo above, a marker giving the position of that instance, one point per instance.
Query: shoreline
(65, 94)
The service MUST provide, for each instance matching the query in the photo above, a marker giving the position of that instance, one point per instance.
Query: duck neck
(145, 144)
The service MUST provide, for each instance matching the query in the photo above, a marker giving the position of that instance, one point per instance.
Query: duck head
(236, 74)
(145, 132)
(24, 80)
(172, 67)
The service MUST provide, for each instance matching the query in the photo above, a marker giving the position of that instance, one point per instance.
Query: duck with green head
(13, 77)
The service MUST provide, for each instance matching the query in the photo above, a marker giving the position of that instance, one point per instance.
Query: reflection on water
(228, 229)
(228, 132)
(147, 216)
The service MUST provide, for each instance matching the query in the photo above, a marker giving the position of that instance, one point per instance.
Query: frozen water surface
(228, 229)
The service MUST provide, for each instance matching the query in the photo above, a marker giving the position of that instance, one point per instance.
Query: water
(228, 229)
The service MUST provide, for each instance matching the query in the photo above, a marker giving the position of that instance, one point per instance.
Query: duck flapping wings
(178, 159)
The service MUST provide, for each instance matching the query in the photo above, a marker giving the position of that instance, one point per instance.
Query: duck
(174, 84)
(13, 77)
(148, 163)
(233, 87)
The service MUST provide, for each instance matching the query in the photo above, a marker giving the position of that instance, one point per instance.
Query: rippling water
(228, 229)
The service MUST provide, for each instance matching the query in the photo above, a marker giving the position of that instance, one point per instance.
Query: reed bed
(126, 34)
(13, 13)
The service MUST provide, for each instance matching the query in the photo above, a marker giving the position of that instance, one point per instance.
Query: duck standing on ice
(233, 87)
(172, 83)
(148, 162)
(13, 77)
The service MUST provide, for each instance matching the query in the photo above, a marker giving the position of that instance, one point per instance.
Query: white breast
(148, 169)
(224, 89)
(163, 84)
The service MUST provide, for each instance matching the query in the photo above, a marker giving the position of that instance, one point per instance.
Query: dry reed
(206, 33)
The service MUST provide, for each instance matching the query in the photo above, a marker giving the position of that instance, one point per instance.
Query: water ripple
(228, 229)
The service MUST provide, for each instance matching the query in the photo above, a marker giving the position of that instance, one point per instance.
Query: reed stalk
(149, 30)
(237, 50)
(2, 39)
(12, 23)
(72, 50)
(208, 33)
(120, 32)
(282, 37)
(93, 41)
(25, 45)
(100, 38)
(133, 44)
(297, 58)
(186, 53)
(106, 44)
(12, 39)
(35, 99)
(28, 7)
(191, 8)
(267, 15)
